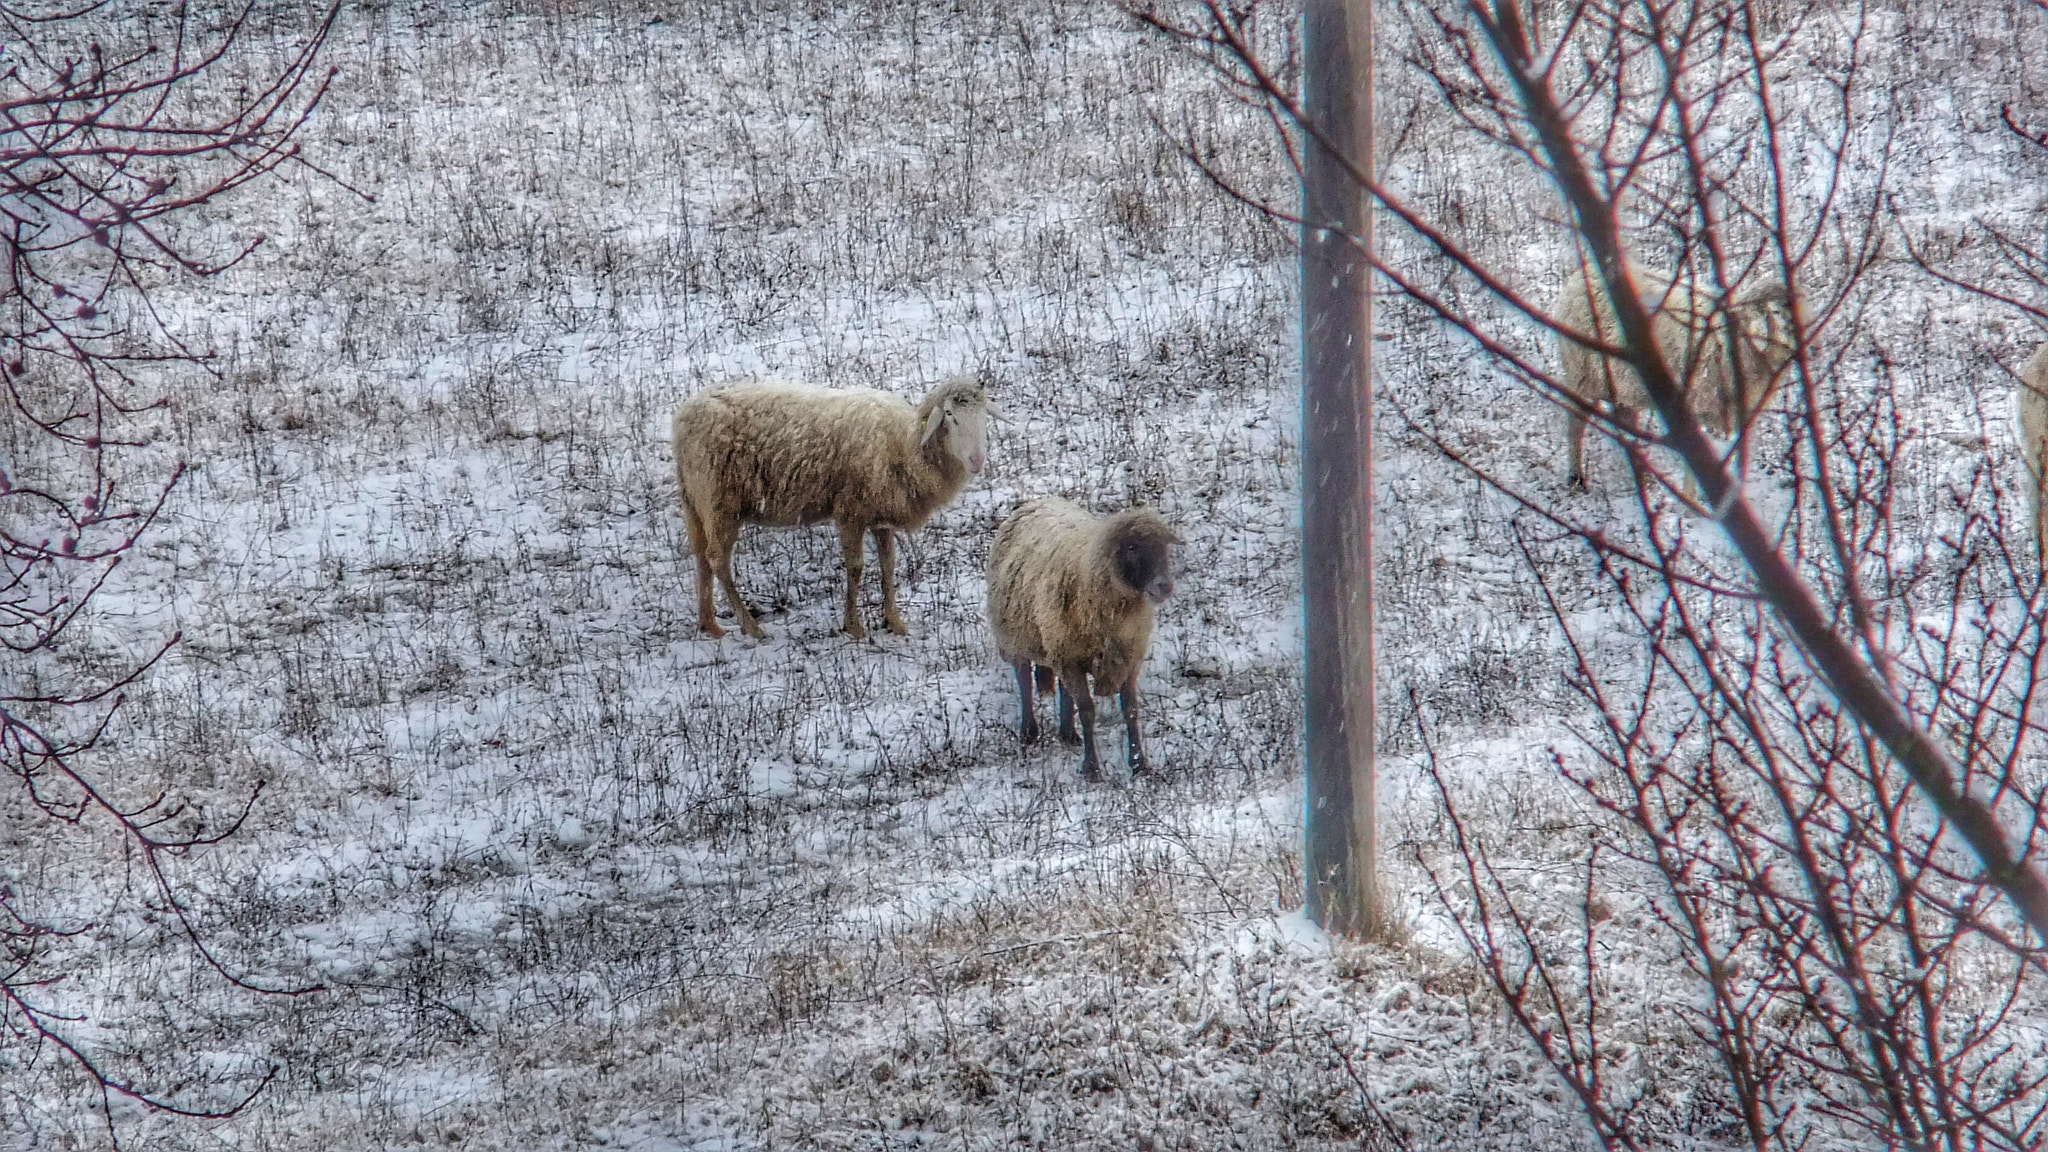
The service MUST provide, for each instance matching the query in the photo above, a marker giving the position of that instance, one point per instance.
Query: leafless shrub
(116, 136)
(1814, 782)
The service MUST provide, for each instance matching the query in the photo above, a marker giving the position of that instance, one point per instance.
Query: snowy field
(565, 873)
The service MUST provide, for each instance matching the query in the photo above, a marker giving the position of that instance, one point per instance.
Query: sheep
(793, 454)
(2030, 404)
(1070, 598)
(1695, 345)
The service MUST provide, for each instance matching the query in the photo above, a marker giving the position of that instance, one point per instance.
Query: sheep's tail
(1047, 681)
(692, 519)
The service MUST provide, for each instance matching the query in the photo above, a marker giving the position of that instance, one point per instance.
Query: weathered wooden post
(1336, 465)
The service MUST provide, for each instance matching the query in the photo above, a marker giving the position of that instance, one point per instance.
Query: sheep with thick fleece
(2030, 404)
(793, 454)
(1070, 600)
(1695, 343)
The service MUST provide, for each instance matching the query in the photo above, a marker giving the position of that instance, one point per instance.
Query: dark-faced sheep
(1070, 600)
(791, 454)
(1694, 337)
(2030, 404)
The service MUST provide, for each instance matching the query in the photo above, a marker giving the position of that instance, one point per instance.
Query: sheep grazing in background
(1070, 598)
(1695, 343)
(2030, 404)
(792, 454)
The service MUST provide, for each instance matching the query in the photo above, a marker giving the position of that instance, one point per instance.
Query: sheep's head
(1764, 317)
(959, 410)
(1137, 548)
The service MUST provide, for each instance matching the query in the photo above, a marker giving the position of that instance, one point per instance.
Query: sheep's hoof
(856, 630)
(710, 629)
(1139, 766)
(897, 626)
(1028, 734)
(1090, 772)
(754, 630)
(1070, 738)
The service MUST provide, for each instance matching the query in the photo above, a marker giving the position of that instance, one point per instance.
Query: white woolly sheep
(1070, 599)
(792, 454)
(2030, 405)
(1695, 343)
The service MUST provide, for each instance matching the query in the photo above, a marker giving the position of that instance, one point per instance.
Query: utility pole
(1336, 464)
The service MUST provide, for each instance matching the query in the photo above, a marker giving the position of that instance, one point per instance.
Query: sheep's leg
(1068, 735)
(885, 556)
(2041, 526)
(2037, 472)
(1719, 439)
(1738, 461)
(722, 549)
(1075, 687)
(851, 538)
(2037, 469)
(1134, 746)
(1690, 485)
(1575, 448)
(1742, 428)
(707, 613)
(1736, 454)
(1027, 725)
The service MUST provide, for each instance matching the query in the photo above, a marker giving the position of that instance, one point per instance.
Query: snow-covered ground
(569, 874)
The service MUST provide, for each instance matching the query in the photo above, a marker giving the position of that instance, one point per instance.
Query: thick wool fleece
(1054, 596)
(1695, 345)
(789, 454)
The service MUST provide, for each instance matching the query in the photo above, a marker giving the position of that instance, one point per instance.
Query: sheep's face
(962, 419)
(967, 435)
(1765, 319)
(1138, 550)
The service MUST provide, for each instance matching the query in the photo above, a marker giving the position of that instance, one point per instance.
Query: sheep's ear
(995, 414)
(931, 423)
